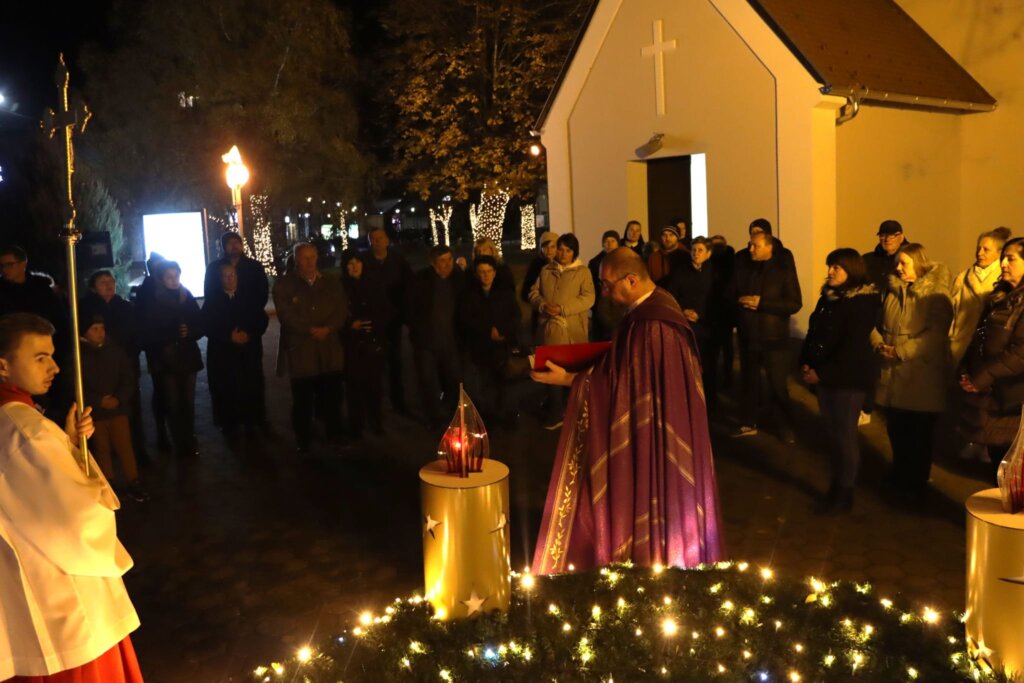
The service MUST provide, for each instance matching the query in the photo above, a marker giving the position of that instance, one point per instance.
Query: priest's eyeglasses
(607, 286)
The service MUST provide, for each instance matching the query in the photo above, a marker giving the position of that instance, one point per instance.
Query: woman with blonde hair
(913, 345)
(971, 290)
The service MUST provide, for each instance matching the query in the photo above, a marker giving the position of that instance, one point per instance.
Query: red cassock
(116, 665)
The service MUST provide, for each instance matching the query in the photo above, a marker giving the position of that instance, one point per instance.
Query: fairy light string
(728, 621)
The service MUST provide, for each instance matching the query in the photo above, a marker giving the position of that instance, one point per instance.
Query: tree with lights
(186, 80)
(466, 79)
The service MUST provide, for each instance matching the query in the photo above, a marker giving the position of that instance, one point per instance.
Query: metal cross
(69, 121)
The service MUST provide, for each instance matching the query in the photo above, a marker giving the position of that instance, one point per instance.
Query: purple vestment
(634, 478)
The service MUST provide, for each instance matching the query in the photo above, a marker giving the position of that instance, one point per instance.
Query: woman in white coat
(63, 605)
(971, 290)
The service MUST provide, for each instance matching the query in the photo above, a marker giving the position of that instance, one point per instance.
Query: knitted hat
(548, 237)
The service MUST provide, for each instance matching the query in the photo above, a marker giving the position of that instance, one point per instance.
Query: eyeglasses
(607, 286)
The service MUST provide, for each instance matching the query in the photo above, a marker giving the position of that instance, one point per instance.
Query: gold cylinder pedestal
(995, 583)
(466, 560)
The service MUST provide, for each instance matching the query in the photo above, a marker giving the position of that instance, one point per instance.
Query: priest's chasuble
(634, 478)
(65, 615)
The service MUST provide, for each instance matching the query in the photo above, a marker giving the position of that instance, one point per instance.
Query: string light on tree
(262, 243)
(443, 216)
(488, 217)
(528, 225)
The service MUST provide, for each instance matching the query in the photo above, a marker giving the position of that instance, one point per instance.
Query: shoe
(744, 430)
(552, 426)
(840, 504)
(863, 419)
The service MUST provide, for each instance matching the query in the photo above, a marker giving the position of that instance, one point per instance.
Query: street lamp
(237, 175)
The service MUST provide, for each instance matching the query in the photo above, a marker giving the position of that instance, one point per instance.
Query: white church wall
(719, 100)
(987, 37)
(905, 165)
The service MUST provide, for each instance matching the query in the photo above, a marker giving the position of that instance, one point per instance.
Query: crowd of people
(892, 332)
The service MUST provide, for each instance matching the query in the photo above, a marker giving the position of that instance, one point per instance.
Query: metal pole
(71, 236)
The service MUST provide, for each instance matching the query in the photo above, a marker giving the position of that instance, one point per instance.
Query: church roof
(868, 48)
(874, 49)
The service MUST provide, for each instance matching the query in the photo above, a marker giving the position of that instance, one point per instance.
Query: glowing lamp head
(237, 174)
(535, 150)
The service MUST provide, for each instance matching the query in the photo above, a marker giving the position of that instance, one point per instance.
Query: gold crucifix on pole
(68, 121)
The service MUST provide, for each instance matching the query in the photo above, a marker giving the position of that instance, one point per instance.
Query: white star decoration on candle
(502, 523)
(429, 524)
(474, 603)
(983, 652)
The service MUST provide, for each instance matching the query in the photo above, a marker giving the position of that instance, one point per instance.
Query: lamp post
(237, 175)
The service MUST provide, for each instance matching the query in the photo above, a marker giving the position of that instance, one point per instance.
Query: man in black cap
(881, 263)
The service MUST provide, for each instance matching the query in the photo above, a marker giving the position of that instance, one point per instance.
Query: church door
(668, 194)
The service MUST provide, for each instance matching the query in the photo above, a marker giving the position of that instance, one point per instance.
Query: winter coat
(302, 306)
(572, 288)
(166, 350)
(222, 314)
(366, 302)
(107, 371)
(393, 275)
(432, 326)
(481, 311)
(915, 320)
(838, 342)
(36, 295)
(995, 363)
(970, 293)
(252, 279)
(62, 600)
(660, 263)
(776, 282)
(881, 267)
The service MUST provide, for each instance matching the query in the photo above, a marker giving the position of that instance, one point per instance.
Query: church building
(824, 116)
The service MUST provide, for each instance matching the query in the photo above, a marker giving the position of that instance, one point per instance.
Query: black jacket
(166, 350)
(429, 326)
(393, 276)
(480, 311)
(36, 296)
(691, 287)
(107, 371)
(838, 342)
(222, 314)
(880, 267)
(775, 281)
(252, 279)
(532, 275)
(366, 302)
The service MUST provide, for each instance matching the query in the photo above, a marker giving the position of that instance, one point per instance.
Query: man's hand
(461, 262)
(750, 302)
(239, 336)
(553, 375)
(76, 427)
(319, 333)
(810, 375)
(690, 315)
(888, 352)
(183, 330)
(967, 385)
(109, 402)
(362, 324)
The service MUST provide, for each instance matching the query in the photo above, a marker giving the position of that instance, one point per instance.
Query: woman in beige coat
(913, 344)
(563, 296)
(971, 290)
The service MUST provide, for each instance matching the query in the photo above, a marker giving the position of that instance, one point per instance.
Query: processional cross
(658, 51)
(67, 121)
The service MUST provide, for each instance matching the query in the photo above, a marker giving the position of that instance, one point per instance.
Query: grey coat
(300, 307)
(915, 320)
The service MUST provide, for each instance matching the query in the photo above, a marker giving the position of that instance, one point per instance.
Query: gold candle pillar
(995, 583)
(466, 560)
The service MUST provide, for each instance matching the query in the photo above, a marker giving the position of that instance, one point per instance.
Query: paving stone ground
(249, 552)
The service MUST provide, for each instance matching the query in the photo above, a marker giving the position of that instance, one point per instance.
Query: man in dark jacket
(881, 263)
(252, 277)
(767, 293)
(387, 270)
(431, 310)
(25, 292)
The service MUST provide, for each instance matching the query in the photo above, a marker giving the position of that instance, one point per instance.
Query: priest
(64, 613)
(634, 478)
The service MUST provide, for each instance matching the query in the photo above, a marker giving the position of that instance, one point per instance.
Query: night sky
(30, 41)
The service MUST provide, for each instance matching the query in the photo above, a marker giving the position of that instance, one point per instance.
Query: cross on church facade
(658, 51)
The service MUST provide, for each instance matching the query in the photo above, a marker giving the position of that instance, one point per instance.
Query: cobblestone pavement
(249, 551)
